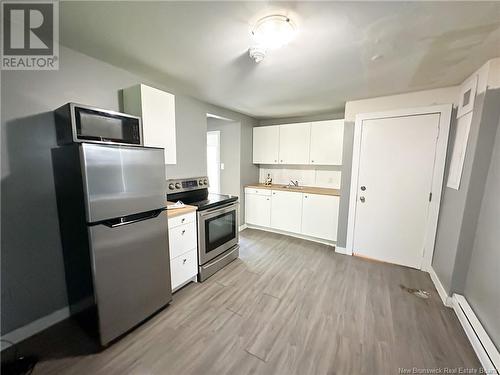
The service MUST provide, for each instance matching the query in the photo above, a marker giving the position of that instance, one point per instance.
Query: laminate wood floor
(287, 306)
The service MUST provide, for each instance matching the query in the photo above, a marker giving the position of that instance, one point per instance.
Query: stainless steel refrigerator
(111, 201)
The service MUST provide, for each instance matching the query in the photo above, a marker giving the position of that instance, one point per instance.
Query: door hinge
(430, 196)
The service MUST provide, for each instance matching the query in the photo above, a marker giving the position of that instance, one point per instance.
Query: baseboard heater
(485, 349)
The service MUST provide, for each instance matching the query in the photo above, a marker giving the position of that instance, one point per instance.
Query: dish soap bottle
(269, 180)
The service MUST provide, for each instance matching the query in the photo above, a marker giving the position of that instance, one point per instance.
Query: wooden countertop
(180, 211)
(304, 189)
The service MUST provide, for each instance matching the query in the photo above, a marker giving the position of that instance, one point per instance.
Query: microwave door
(121, 180)
(96, 125)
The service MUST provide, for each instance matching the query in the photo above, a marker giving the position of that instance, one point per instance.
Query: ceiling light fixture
(271, 32)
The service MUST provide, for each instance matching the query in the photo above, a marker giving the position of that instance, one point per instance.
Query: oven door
(217, 231)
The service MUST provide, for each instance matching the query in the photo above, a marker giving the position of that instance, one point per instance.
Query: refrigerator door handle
(115, 223)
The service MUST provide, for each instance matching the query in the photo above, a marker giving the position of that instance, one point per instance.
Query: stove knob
(200, 182)
(205, 182)
(177, 185)
(171, 186)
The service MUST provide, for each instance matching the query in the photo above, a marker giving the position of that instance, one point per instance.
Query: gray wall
(345, 168)
(481, 287)
(460, 209)
(236, 153)
(293, 120)
(32, 272)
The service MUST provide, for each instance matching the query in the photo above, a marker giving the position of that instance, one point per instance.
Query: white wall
(444, 95)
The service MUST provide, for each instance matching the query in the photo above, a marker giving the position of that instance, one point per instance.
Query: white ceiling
(201, 47)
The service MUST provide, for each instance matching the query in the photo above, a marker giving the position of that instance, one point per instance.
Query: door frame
(444, 112)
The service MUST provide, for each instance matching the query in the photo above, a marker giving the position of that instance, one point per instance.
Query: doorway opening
(223, 155)
(213, 160)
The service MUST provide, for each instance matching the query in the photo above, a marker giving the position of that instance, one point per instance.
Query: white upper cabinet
(327, 142)
(294, 143)
(157, 110)
(286, 210)
(266, 144)
(320, 216)
(310, 143)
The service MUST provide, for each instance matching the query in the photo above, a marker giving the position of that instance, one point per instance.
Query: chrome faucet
(294, 183)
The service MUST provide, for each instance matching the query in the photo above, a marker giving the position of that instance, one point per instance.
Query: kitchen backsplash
(307, 176)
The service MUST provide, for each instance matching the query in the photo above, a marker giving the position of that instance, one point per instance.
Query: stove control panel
(187, 184)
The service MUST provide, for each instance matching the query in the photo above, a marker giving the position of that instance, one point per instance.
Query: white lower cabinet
(183, 268)
(311, 215)
(258, 207)
(182, 238)
(320, 216)
(286, 210)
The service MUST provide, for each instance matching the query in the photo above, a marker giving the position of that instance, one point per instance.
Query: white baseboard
(440, 288)
(34, 327)
(342, 250)
(291, 234)
(486, 351)
(242, 227)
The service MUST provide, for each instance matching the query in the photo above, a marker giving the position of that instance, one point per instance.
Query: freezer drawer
(131, 271)
(122, 180)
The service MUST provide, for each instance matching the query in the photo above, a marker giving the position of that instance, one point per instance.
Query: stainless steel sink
(293, 187)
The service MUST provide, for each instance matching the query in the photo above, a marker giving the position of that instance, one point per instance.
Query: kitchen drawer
(266, 192)
(182, 219)
(182, 238)
(183, 267)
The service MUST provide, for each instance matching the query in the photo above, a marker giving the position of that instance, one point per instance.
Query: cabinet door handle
(312, 161)
(183, 219)
(184, 261)
(183, 231)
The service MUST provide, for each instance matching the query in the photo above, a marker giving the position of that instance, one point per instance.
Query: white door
(327, 142)
(266, 144)
(286, 210)
(320, 216)
(213, 161)
(258, 209)
(295, 140)
(396, 163)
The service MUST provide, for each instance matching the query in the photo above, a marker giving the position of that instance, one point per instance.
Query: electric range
(217, 221)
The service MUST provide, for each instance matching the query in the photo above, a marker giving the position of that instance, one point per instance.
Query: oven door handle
(220, 209)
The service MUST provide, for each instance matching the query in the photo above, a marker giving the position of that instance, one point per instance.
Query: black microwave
(81, 123)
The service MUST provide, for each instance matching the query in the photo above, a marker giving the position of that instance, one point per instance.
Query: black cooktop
(214, 200)
(202, 199)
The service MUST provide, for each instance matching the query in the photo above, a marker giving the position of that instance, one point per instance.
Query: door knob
(362, 199)
(363, 188)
